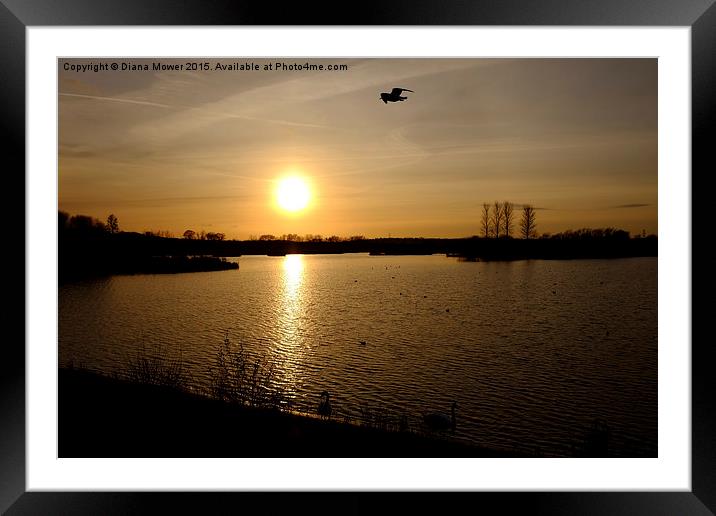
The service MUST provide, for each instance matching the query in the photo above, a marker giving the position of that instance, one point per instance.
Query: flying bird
(394, 95)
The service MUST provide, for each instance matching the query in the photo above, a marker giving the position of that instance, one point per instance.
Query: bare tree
(485, 222)
(528, 224)
(112, 224)
(496, 219)
(507, 218)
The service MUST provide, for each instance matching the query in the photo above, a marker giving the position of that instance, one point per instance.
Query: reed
(158, 369)
(237, 377)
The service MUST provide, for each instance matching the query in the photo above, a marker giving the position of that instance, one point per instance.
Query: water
(532, 351)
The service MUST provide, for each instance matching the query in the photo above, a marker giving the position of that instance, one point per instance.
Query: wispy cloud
(118, 99)
(163, 201)
(216, 114)
(288, 95)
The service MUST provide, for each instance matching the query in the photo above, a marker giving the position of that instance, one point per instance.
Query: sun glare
(293, 194)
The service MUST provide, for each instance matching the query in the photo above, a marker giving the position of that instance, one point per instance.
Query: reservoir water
(532, 351)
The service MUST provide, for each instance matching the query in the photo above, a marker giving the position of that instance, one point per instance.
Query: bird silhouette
(394, 95)
(324, 408)
(437, 421)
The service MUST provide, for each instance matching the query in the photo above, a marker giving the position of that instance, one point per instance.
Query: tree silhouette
(485, 222)
(496, 219)
(507, 218)
(528, 223)
(189, 234)
(63, 219)
(112, 224)
(86, 224)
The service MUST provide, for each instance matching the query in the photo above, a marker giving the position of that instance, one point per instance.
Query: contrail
(169, 106)
(120, 100)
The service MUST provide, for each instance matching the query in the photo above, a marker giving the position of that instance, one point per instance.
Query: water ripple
(532, 351)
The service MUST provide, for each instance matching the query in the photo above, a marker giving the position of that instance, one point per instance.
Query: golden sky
(204, 150)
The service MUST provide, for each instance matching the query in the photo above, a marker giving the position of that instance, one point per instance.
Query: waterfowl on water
(437, 421)
(324, 408)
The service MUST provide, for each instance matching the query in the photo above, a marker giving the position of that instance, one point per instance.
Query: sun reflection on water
(293, 276)
(291, 308)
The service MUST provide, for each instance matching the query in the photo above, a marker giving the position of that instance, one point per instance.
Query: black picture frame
(699, 15)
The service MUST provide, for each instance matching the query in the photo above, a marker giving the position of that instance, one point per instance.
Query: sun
(293, 194)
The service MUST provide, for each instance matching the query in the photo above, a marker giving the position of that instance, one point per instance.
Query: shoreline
(222, 263)
(126, 253)
(99, 416)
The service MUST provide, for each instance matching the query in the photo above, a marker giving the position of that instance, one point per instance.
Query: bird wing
(398, 91)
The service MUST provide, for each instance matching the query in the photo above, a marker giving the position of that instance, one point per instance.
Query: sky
(206, 150)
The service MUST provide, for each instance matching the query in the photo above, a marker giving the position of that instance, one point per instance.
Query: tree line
(309, 237)
(498, 220)
(190, 234)
(86, 224)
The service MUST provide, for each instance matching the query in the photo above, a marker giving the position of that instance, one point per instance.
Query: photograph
(357, 257)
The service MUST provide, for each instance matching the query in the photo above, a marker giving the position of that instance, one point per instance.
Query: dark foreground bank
(106, 417)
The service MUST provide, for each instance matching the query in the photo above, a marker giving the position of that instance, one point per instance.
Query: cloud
(519, 206)
(286, 95)
(164, 201)
(214, 114)
(75, 151)
(118, 99)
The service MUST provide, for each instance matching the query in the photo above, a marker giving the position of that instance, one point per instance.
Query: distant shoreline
(134, 253)
(474, 247)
